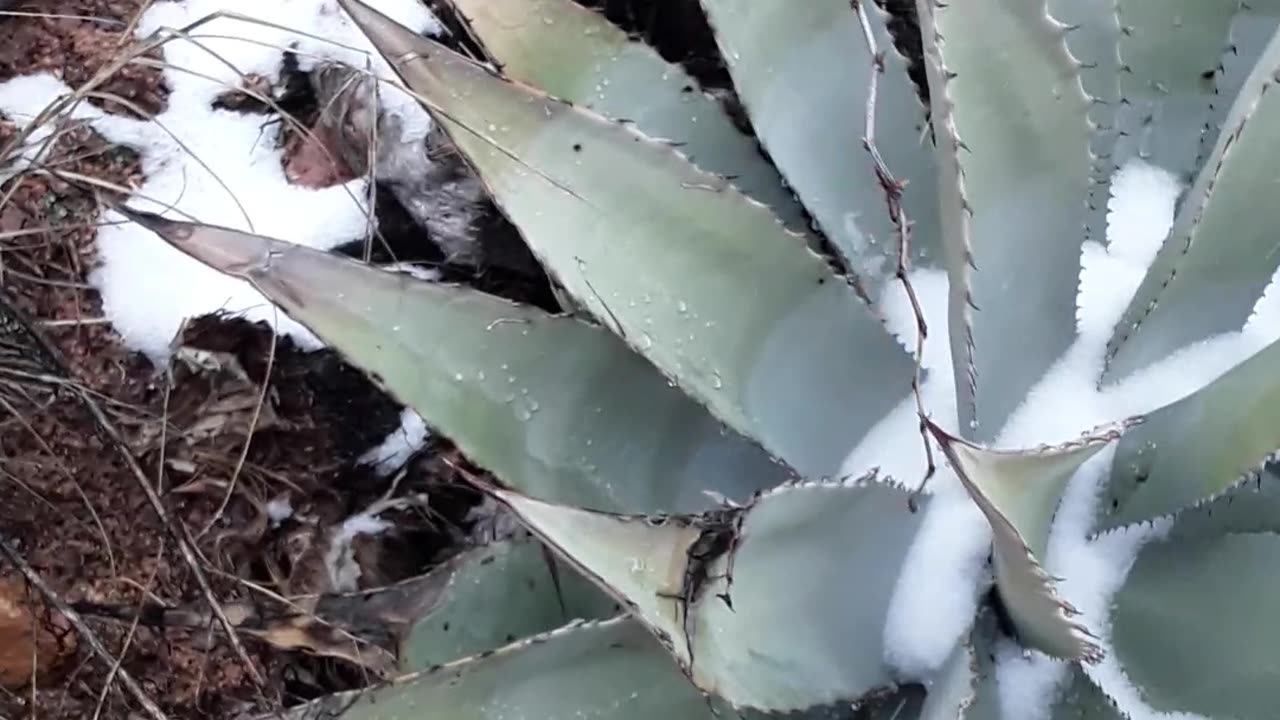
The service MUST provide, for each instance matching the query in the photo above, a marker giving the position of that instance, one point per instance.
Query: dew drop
(457, 377)
(646, 341)
(682, 306)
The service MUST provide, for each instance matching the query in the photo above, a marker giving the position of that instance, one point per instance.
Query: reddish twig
(892, 188)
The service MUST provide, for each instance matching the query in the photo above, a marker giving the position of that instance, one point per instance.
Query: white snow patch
(278, 510)
(230, 171)
(938, 589)
(399, 445)
(1024, 679)
(941, 582)
(340, 559)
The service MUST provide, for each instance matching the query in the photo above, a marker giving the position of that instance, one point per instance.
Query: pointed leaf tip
(551, 405)
(1019, 492)
(708, 586)
(228, 251)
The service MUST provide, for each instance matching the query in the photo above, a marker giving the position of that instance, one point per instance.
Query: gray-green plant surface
(681, 440)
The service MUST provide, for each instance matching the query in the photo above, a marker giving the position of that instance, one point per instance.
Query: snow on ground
(220, 166)
(397, 448)
(946, 568)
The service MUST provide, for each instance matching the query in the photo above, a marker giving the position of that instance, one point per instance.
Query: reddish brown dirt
(72, 508)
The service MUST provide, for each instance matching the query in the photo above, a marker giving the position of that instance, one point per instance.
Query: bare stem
(892, 188)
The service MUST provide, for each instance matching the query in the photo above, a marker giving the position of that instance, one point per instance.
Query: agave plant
(697, 441)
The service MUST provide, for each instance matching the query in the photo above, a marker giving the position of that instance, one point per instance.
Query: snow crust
(946, 569)
(220, 166)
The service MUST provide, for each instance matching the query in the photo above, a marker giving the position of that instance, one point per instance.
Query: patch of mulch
(216, 448)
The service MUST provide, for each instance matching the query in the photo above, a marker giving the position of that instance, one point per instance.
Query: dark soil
(229, 426)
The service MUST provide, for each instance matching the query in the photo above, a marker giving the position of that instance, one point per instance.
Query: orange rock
(26, 643)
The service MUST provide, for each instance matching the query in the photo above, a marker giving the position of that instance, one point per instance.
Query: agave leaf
(637, 558)
(1019, 492)
(903, 703)
(1013, 148)
(1252, 28)
(611, 669)
(495, 594)
(552, 405)
(1220, 254)
(772, 50)
(1197, 447)
(574, 53)
(1170, 52)
(983, 702)
(819, 642)
(837, 549)
(1194, 625)
(1081, 699)
(702, 281)
(1095, 30)
(953, 689)
(1252, 505)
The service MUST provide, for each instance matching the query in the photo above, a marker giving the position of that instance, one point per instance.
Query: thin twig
(893, 199)
(86, 633)
(128, 641)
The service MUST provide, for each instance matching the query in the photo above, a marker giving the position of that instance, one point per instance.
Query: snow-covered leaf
(496, 594)
(1169, 52)
(701, 280)
(773, 50)
(1014, 165)
(787, 597)
(1194, 625)
(1198, 446)
(575, 54)
(554, 406)
(1220, 254)
(1019, 492)
(611, 670)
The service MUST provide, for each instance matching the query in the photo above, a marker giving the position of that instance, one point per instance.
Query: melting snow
(399, 445)
(946, 569)
(220, 166)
